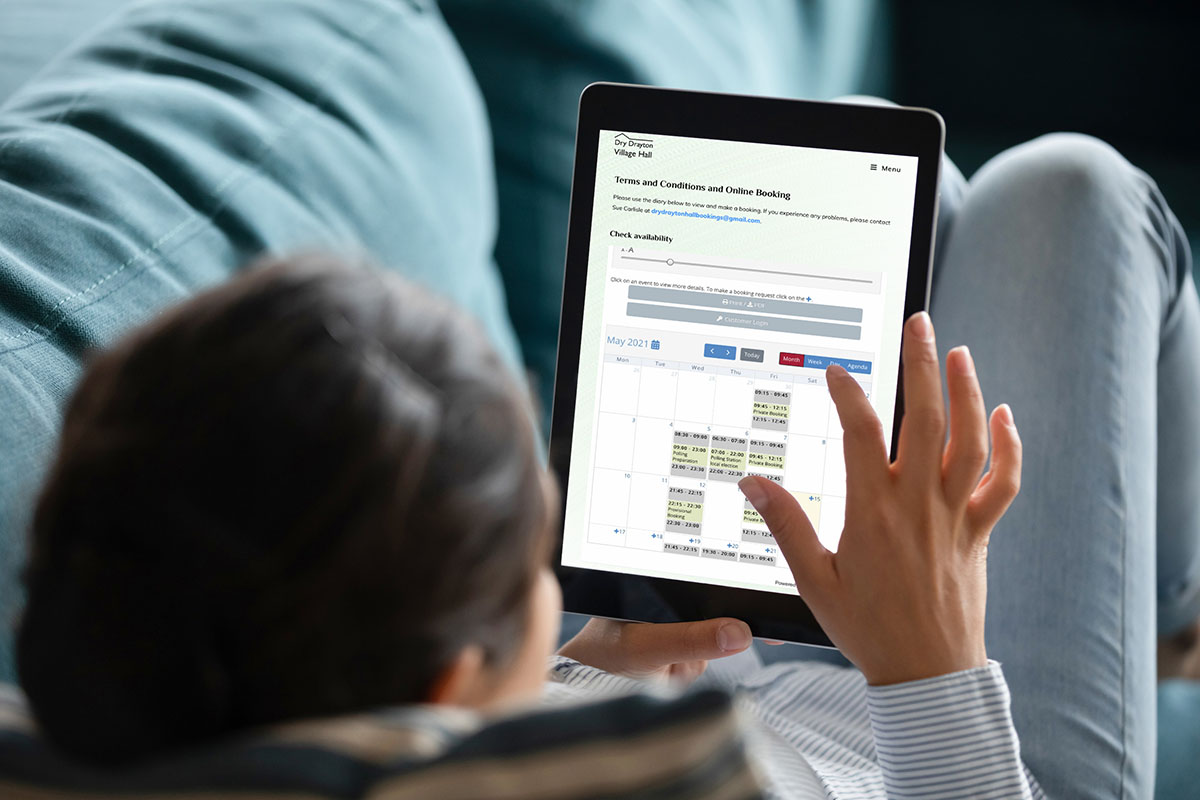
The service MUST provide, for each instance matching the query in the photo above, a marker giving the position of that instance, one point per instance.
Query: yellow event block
(689, 455)
(766, 460)
(685, 510)
(727, 459)
(775, 410)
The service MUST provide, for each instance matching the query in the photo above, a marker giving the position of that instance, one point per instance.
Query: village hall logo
(633, 146)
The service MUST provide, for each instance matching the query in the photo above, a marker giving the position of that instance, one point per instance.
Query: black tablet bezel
(642, 109)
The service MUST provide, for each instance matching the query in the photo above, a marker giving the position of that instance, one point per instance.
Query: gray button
(749, 354)
(728, 319)
(743, 303)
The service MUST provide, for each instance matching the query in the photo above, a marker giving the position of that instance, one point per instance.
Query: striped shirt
(819, 731)
(791, 730)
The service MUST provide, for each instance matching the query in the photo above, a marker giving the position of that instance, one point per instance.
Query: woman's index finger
(862, 433)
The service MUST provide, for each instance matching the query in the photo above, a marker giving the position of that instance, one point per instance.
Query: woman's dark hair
(300, 494)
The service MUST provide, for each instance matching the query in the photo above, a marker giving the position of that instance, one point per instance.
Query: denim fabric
(189, 136)
(1069, 278)
(534, 57)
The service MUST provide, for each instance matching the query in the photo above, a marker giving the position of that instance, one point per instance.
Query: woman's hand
(904, 595)
(677, 652)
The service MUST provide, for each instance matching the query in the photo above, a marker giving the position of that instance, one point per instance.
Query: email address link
(705, 215)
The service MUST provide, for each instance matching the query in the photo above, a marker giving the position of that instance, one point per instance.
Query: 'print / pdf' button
(725, 351)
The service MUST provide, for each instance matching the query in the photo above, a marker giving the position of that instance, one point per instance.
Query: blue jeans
(1060, 265)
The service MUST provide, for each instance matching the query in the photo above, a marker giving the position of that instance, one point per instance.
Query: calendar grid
(689, 505)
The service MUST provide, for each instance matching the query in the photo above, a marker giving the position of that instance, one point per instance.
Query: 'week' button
(726, 351)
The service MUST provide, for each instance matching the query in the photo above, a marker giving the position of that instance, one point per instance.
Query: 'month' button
(791, 359)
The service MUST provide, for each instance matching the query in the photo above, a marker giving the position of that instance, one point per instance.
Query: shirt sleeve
(949, 736)
(568, 682)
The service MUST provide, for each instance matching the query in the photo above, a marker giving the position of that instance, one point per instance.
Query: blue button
(851, 365)
(817, 362)
(726, 351)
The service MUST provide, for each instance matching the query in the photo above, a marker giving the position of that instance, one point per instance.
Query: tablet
(722, 252)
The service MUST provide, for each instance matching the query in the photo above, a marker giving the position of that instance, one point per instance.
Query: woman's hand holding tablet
(675, 652)
(904, 595)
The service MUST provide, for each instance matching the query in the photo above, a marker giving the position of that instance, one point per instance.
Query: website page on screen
(722, 279)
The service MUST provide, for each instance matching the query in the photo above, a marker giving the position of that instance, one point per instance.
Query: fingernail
(835, 371)
(922, 328)
(1006, 415)
(754, 493)
(733, 637)
(961, 364)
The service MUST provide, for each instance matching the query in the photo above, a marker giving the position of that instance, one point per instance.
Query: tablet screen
(723, 277)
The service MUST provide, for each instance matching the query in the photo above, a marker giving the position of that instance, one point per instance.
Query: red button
(791, 359)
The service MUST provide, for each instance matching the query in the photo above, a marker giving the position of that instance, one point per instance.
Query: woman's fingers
(806, 556)
(1003, 480)
(862, 434)
(923, 429)
(966, 454)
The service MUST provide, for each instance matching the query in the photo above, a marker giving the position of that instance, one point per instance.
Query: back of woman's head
(297, 495)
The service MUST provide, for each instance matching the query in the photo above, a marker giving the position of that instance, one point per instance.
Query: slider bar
(672, 262)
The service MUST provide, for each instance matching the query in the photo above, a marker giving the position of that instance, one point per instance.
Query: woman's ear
(469, 681)
(462, 681)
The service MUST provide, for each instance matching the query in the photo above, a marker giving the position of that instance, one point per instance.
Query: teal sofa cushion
(533, 57)
(185, 138)
(32, 32)
(1178, 773)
